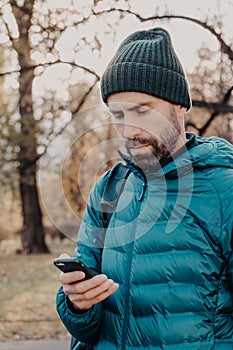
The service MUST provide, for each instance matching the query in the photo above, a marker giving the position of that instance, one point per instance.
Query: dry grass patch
(28, 293)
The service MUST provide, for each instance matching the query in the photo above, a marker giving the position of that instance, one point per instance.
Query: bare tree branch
(192, 125)
(228, 95)
(215, 113)
(53, 135)
(225, 48)
(81, 103)
(219, 108)
(21, 70)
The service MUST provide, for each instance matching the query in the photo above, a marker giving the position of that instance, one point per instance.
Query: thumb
(64, 256)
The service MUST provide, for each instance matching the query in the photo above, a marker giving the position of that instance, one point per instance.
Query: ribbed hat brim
(160, 83)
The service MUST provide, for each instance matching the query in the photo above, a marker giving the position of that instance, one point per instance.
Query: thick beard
(162, 149)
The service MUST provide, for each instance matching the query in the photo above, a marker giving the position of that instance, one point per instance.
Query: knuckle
(108, 285)
(65, 290)
(86, 296)
(72, 299)
(84, 305)
(100, 297)
(62, 277)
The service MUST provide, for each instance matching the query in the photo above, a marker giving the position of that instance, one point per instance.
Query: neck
(180, 142)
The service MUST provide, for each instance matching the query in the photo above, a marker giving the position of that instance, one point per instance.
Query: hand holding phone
(84, 292)
(73, 264)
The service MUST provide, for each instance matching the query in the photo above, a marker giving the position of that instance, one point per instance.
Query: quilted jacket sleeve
(85, 325)
(230, 271)
(227, 222)
(229, 229)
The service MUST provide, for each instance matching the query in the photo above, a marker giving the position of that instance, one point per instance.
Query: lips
(140, 146)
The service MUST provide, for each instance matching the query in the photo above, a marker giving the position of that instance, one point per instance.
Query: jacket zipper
(127, 297)
(128, 273)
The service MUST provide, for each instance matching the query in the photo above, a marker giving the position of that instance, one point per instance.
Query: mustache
(138, 141)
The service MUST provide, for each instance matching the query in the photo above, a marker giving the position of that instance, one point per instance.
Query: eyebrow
(130, 109)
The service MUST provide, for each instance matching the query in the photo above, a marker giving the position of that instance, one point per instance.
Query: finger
(106, 289)
(94, 292)
(86, 304)
(71, 277)
(81, 288)
(107, 293)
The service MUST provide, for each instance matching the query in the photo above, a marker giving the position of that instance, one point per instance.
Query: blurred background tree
(51, 58)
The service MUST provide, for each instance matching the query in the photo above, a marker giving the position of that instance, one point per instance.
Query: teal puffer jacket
(169, 246)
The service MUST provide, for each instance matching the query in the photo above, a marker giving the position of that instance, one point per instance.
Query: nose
(129, 131)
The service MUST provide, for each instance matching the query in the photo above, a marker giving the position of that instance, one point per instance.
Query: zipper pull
(142, 191)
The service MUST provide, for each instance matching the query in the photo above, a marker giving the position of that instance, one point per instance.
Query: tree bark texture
(33, 235)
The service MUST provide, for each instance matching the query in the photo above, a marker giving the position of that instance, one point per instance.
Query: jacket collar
(197, 153)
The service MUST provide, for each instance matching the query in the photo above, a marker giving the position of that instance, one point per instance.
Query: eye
(143, 109)
(117, 115)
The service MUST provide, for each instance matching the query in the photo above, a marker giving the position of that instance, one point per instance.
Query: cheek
(119, 128)
(157, 127)
(151, 130)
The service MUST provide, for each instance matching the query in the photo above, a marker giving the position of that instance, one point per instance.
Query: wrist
(75, 309)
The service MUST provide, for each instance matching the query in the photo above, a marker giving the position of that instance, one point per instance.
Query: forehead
(123, 99)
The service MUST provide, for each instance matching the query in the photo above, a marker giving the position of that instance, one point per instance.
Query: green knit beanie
(146, 62)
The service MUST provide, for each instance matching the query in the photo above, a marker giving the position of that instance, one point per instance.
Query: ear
(181, 110)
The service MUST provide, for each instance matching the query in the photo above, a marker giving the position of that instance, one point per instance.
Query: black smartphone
(73, 264)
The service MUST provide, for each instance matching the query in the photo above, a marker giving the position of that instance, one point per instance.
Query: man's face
(151, 127)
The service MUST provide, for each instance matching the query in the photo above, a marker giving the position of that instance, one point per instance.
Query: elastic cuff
(73, 309)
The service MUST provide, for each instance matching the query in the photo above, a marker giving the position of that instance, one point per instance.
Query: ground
(28, 292)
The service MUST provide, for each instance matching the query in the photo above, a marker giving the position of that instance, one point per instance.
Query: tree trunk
(33, 236)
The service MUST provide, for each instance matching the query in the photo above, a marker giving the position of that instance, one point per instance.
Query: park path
(45, 344)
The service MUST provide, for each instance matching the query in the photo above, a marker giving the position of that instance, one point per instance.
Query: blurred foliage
(91, 155)
(210, 82)
(52, 56)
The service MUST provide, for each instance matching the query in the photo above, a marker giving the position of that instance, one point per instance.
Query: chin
(145, 161)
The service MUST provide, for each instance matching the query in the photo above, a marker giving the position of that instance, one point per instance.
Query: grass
(28, 293)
